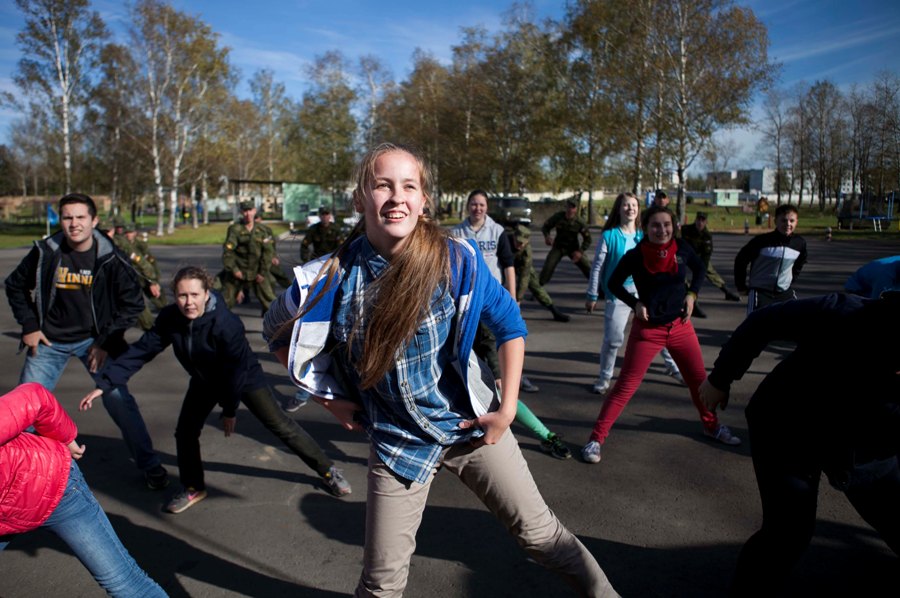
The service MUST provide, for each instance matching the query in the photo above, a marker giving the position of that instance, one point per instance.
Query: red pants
(644, 342)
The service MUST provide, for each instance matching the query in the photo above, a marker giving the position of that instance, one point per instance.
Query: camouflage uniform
(526, 277)
(565, 243)
(250, 253)
(148, 272)
(320, 240)
(275, 273)
(701, 242)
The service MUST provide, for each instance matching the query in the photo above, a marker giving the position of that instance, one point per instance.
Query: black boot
(698, 313)
(558, 315)
(731, 296)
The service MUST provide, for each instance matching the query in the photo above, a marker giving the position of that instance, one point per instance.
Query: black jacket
(213, 350)
(775, 261)
(116, 299)
(837, 395)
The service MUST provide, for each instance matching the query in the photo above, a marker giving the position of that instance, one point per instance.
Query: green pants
(540, 293)
(231, 286)
(146, 319)
(485, 347)
(714, 278)
(553, 258)
(279, 276)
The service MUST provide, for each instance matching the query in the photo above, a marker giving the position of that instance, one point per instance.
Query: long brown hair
(615, 214)
(400, 299)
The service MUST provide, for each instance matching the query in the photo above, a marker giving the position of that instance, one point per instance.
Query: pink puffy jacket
(34, 468)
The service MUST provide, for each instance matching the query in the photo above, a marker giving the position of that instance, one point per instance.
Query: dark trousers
(200, 401)
(553, 258)
(485, 347)
(788, 476)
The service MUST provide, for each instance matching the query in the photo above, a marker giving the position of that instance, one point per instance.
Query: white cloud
(842, 37)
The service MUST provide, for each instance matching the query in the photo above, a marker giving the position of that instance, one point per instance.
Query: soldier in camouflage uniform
(247, 257)
(276, 273)
(568, 227)
(148, 272)
(321, 238)
(697, 235)
(526, 277)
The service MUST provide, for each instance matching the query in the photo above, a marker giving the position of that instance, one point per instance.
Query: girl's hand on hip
(640, 312)
(493, 424)
(689, 300)
(344, 411)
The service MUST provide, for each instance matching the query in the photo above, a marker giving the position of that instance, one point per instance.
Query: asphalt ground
(665, 513)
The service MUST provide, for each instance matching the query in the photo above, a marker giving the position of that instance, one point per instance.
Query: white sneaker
(673, 372)
(723, 434)
(591, 452)
(600, 388)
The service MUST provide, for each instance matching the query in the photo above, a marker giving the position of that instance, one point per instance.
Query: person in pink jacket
(42, 486)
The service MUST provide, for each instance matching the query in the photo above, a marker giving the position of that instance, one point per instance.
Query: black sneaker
(525, 385)
(157, 477)
(184, 500)
(554, 447)
(295, 402)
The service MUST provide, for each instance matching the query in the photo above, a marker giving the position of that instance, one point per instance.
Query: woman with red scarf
(662, 320)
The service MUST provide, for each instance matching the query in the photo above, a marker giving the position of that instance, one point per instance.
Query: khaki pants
(499, 477)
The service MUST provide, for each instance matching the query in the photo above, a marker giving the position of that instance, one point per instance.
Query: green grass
(15, 235)
(721, 220)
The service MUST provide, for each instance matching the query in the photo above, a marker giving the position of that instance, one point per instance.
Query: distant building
(727, 197)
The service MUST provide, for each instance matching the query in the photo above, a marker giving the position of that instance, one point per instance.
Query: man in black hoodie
(74, 295)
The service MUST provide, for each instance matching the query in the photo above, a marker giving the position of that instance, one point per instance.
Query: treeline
(608, 96)
(821, 139)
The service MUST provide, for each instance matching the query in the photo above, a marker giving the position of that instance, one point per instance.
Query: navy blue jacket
(213, 350)
(662, 293)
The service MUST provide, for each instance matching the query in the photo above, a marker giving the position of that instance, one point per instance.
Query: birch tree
(180, 60)
(60, 42)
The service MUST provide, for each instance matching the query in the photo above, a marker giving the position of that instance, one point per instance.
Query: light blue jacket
(610, 249)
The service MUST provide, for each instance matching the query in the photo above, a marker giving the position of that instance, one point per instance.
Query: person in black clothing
(210, 343)
(775, 260)
(803, 422)
(75, 294)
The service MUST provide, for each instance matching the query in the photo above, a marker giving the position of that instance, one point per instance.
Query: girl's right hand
(640, 312)
(75, 450)
(88, 399)
(344, 411)
(589, 306)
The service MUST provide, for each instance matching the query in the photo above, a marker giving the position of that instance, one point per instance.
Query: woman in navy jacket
(210, 343)
(659, 266)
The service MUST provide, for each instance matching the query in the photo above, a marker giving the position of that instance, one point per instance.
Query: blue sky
(847, 42)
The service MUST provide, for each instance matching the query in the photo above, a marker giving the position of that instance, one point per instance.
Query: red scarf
(660, 258)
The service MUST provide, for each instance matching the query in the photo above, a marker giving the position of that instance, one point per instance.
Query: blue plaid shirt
(414, 412)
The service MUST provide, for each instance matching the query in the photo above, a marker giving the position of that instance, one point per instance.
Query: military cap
(701, 215)
(521, 233)
(247, 205)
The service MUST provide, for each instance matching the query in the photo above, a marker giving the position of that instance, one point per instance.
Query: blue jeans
(47, 366)
(80, 522)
